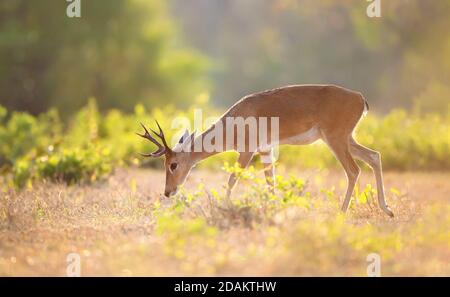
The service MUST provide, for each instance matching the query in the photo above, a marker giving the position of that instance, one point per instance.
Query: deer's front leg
(269, 169)
(243, 161)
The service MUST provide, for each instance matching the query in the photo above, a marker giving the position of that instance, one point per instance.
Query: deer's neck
(205, 144)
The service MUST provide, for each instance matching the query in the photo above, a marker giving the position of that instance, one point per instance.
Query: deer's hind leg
(373, 159)
(340, 147)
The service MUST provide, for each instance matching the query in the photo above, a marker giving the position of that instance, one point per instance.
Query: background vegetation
(156, 52)
(92, 144)
(120, 52)
(75, 89)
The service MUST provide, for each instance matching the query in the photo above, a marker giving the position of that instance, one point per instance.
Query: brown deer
(305, 113)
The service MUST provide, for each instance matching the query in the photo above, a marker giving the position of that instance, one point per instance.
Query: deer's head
(178, 161)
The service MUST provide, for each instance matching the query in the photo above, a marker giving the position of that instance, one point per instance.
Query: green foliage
(189, 228)
(21, 173)
(120, 51)
(92, 144)
(390, 59)
(128, 51)
(23, 134)
(86, 149)
(75, 165)
(182, 234)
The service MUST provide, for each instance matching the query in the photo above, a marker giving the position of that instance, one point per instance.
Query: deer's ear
(185, 142)
(192, 137)
(184, 137)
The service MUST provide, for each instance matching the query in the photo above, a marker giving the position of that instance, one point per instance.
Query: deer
(305, 113)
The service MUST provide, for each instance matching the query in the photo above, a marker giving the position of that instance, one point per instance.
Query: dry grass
(123, 227)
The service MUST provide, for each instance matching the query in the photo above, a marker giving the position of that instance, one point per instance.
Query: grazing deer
(305, 113)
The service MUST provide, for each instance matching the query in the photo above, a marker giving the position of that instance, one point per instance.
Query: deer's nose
(168, 193)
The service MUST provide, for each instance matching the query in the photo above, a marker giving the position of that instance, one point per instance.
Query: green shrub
(76, 165)
(22, 173)
(24, 135)
(92, 144)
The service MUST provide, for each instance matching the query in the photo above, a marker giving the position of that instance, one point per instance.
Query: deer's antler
(161, 136)
(162, 149)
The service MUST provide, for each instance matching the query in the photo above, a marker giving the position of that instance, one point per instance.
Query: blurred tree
(119, 51)
(128, 51)
(394, 60)
(414, 41)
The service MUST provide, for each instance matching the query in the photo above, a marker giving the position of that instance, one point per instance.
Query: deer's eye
(173, 167)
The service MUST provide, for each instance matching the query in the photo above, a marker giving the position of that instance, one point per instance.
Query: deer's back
(300, 107)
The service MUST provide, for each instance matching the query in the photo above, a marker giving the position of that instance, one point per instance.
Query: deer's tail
(366, 107)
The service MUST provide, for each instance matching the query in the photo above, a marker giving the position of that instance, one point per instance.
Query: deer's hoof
(388, 211)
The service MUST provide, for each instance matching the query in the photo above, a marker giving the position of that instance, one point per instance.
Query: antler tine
(161, 135)
(155, 154)
(146, 132)
(148, 136)
(161, 149)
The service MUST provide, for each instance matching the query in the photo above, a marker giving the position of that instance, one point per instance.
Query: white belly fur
(307, 137)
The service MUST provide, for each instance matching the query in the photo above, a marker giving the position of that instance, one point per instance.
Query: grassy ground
(123, 227)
